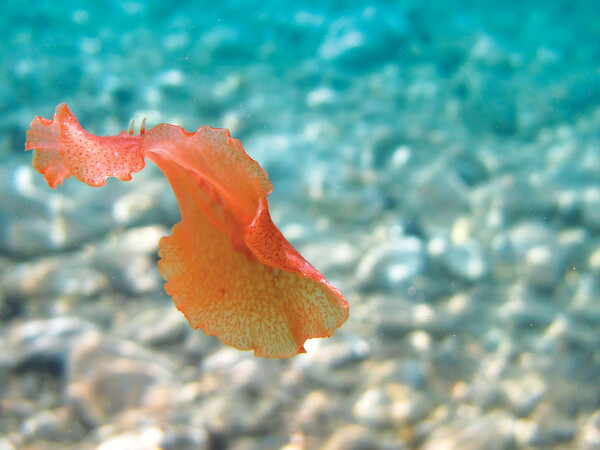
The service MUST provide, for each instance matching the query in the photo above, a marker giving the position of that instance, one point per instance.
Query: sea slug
(227, 266)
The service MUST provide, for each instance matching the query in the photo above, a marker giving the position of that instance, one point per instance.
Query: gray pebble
(129, 259)
(468, 260)
(590, 432)
(42, 343)
(391, 405)
(353, 437)
(108, 376)
(493, 431)
(524, 393)
(154, 326)
(392, 264)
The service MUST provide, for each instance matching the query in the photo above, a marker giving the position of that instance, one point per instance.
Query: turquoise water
(439, 163)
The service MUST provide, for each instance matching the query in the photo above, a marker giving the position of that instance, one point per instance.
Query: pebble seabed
(439, 164)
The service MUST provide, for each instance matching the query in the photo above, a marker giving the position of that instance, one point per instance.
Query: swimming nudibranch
(227, 266)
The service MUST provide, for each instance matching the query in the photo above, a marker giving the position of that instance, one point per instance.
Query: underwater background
(438, 161)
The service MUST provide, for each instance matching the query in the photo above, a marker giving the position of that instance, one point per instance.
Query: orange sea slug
(227, 266)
